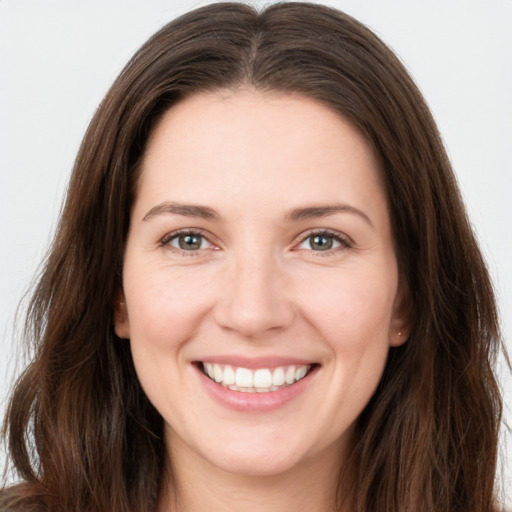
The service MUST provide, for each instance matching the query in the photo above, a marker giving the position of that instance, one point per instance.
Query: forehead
(247, 144)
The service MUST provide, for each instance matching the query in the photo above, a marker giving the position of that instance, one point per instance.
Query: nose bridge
(254, 300)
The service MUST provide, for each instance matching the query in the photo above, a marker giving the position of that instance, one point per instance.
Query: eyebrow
(186, 210)
(316, 212)
(295, 215)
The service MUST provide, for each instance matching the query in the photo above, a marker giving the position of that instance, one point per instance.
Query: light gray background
(58, 58)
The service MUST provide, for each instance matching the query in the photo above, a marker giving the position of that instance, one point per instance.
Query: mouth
(260, 380)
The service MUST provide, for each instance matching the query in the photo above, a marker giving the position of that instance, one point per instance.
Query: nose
(254, 298)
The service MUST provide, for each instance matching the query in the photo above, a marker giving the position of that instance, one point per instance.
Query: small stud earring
(399, 333)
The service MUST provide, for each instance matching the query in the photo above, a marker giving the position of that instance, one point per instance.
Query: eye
(188, 241)
(323, 242)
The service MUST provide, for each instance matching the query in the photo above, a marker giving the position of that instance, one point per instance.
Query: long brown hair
(82, 435)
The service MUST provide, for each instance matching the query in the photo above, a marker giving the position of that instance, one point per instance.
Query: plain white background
(58, 58)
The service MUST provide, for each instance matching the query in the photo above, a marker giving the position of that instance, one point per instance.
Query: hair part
(81, 433)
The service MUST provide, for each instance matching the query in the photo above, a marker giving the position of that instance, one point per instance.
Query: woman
(264, 293)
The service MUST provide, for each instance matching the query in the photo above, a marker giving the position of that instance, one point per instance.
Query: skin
(257, 287)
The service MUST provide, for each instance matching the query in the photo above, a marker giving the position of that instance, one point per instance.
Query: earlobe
(400, 328)
(398, 338)
(121, 321)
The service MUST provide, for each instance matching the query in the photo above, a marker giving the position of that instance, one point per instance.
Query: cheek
(352, 309)
(354, 321)
(164, 308)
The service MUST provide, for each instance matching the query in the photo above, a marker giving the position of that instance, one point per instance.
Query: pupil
(321, 243)
(190, 242)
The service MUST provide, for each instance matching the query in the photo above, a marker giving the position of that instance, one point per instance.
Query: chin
(255, 464)
(259, 452)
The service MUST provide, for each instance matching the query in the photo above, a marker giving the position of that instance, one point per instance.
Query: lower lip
(254, 402)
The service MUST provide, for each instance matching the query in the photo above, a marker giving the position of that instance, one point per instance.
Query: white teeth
(243, 378)
(290, 375)
(218, 374)
(229, 376)
(278, 376)
(209, 369)
(300, 372)
(261, 380)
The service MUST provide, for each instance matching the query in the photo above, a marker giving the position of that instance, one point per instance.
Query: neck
(195, 485)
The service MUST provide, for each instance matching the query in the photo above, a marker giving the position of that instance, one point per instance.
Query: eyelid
(164, 241)
(345, 240)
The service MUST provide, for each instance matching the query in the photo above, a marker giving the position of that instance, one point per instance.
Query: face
(260, 287)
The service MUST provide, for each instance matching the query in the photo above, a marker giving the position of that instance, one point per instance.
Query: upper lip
(254, 362)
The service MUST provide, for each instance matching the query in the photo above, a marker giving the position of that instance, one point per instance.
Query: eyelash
(343, 240)
(166, 240)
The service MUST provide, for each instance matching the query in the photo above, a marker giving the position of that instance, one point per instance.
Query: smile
(261, 380)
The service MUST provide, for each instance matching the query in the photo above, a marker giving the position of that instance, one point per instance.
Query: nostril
(252, 318)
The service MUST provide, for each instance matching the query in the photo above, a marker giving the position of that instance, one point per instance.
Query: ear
(401, 321)
(121, 321)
